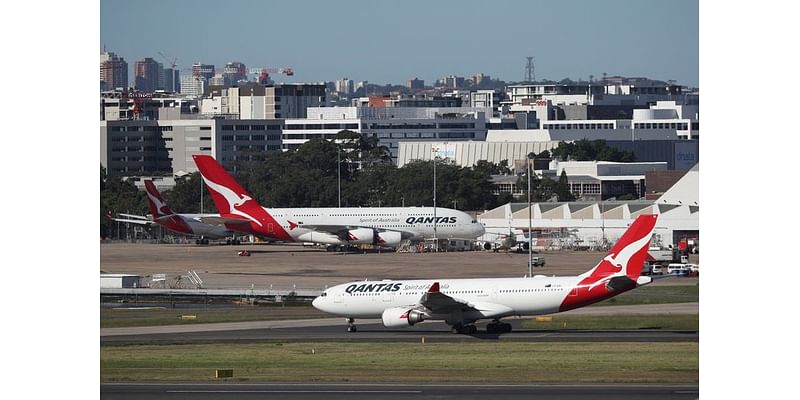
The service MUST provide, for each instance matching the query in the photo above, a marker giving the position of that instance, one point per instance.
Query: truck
(656, 255)
(537, 261)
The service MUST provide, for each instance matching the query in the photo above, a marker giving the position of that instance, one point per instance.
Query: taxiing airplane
(184, 224)
(462, 302)
(383, 226)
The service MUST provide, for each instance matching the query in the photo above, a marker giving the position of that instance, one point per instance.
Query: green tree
(185, 196)
(562, 188)
(119, 196)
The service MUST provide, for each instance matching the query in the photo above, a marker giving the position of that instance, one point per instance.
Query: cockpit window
(324, 294)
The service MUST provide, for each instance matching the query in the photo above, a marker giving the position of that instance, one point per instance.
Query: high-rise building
(204, 70)
(415, 83)
(148, 73)
(344, 86)
(172, 80)
(234, 72)
(192, 85)
(113, 71)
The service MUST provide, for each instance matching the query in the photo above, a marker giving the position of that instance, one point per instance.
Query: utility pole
(530, 220)
(339, 173)
(434, 149)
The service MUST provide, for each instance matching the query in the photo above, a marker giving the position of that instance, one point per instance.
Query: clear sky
(393, 41)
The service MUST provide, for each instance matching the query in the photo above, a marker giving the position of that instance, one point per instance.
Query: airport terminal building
(558, 225)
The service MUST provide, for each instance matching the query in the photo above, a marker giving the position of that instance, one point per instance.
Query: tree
(185, 196)
(562, 188)
(119, 196)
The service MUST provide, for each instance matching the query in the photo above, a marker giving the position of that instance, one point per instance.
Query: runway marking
(296, 391)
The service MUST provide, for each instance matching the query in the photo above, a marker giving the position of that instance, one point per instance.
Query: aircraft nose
(317, 302)
(480, 229)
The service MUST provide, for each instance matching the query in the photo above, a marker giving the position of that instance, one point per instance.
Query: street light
(530, 218)
(339, 173)
(434, 150)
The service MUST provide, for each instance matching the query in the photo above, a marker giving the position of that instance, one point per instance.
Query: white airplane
(461, 302)
(184, 224)
(384, 226)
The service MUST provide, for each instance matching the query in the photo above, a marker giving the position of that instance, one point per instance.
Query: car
(678, 269)
(694, 269)
(537, 261)
(658, 269)
(647, 269)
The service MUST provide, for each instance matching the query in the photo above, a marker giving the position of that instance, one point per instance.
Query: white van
(678, 269)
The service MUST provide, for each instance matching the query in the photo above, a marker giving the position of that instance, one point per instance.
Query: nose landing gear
(351, 327)
(498, 327)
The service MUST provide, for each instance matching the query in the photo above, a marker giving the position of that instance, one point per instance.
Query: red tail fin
(158, 207)
(233, 201)
(629, 253)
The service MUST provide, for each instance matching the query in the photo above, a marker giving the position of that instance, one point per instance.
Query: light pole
(403, 202)
(434, 150)
(339, 173)
(530, 219)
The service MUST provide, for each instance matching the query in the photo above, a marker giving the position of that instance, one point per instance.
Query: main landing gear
(233, 241)
(498, 327)
(351, 327)
(467, 329)
(201, 241)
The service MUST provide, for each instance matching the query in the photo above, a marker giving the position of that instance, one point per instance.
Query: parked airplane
(461, 302)
(385, 226)
(184, 224)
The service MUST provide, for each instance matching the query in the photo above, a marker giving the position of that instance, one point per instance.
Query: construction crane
(173, 63)
(263, 72)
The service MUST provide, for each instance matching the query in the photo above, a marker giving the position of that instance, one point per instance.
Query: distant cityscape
(151, 125)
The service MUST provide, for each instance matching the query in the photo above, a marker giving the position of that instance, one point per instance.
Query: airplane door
(386, 297)
(338, 298)
(270, 227)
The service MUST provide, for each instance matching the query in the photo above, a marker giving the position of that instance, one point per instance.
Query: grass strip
(489, 362)
(626, 321)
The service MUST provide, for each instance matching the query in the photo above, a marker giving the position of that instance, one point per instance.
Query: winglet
(434, 288)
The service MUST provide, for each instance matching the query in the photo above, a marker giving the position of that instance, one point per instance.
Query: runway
(374, 332)
(371, 330)
(159, 391)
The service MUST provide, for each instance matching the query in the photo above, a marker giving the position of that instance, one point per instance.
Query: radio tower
(530, 74)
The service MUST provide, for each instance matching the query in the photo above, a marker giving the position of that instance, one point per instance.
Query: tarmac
(295, 266)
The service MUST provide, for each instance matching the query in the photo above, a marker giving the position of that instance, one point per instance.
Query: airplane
(505, 242)
(184, 224)
(462, 302)
(382, 226)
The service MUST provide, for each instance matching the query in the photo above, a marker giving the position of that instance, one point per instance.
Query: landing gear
(498, 327)
(201, 241)
(351, 327)
(233, 241)
(468, 329)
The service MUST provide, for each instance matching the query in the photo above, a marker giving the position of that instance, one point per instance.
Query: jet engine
(401, 317)
(390, 239)
(361, 236)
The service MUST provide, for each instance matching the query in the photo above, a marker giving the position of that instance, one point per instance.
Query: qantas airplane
(461, 302)
(384, 226)
(184, 224)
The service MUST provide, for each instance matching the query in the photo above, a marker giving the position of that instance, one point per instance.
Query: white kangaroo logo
(160, 205)
(621, 259)
(233, 199)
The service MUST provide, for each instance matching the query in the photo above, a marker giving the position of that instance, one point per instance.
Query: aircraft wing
(341, 230)
(439, 303)
(133, 216)
(222, 221)
(132, 221)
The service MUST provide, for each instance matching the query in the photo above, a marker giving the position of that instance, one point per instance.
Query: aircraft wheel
(457, 328)
(505, 328)
(352, 328)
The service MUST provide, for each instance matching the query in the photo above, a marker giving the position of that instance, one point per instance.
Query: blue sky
(393, 41)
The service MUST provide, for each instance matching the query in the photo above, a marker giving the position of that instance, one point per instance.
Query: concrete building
(415, 83)
(192, 85)
(595, 224)
(258, 101)
(612, 91)
(601, 180)
(148, 75)
(344, 86)
(234, 72)
(113, 71)
(172, 80)
(206, 71)
(128, 105)
(391, 126)
(166, 146)
(468, 153)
